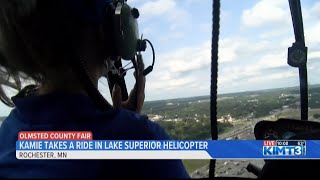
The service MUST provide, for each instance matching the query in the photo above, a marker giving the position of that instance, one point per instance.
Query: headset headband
(86, 10)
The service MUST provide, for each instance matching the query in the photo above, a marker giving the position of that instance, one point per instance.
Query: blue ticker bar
(217, 149)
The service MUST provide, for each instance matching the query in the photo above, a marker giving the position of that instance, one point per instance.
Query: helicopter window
(103, 87)
(5, 110)
(255, 81)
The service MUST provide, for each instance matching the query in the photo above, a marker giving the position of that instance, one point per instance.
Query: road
(236, 168)
(233, 168)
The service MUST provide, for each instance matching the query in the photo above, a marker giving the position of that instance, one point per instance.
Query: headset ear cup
(126, 31)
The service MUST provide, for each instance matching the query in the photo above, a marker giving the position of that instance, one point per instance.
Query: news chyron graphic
(81, 145)
(284, 148)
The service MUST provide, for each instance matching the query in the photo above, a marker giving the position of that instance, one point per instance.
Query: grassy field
(192, 165)
(296, 114)
(314, 111)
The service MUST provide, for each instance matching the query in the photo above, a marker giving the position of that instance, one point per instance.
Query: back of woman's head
(39, 39)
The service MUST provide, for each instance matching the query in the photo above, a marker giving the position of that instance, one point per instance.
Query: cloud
(185, 65)
(266, 12)
(263, 67)
(281, 26)
(187, 58)
(315, 10)
(172, 83)
(205, 27)
(312, 35)
(237, 79)
(189, 2)
(175, 35)
(177, 16)
(156, 8)
(181, 69)
(275, 33)
(147, 30)
(230, 50)
(242, 48)
(270, 77)
(241, 60)
(135, 1)
(314, 55)
(272, 61)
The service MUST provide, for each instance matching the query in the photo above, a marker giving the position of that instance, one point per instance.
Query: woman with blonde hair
(62, 45)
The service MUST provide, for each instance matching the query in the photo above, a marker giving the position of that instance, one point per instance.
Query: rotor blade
(296, 14)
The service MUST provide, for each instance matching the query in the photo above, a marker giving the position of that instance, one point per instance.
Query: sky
(254, 38)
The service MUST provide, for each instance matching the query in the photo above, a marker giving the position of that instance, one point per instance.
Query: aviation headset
(125, 38)
(125, 32)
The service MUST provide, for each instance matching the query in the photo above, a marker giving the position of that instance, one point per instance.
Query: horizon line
(230, 93)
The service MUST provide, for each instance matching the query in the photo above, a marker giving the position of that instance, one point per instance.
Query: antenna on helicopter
(297, 55)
